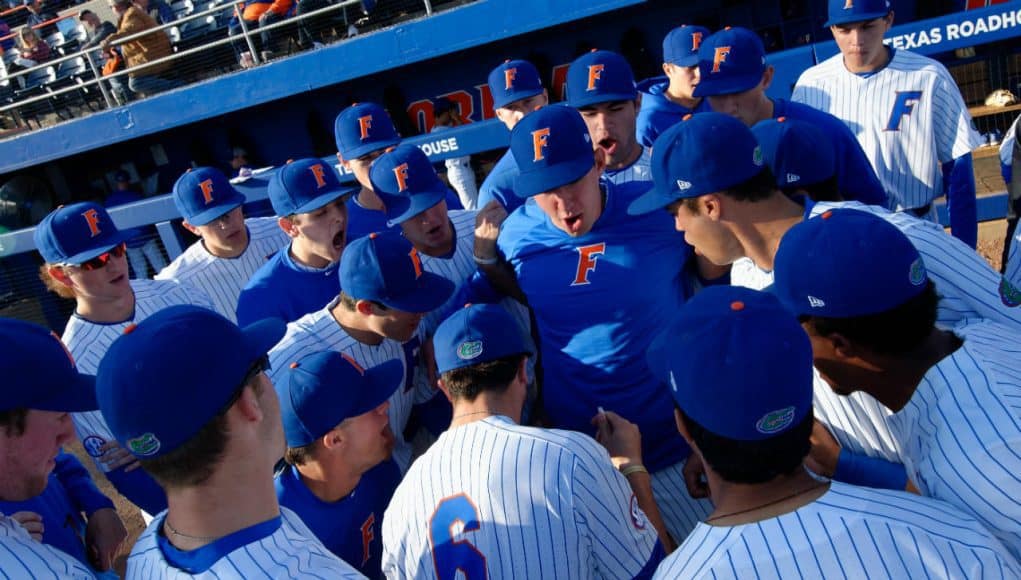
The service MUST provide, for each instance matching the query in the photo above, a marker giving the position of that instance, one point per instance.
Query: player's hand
(694, 476)
(114, 457)
(32, 522)
(487, 229)
(620, 437)
(104, 536)
(822, 459)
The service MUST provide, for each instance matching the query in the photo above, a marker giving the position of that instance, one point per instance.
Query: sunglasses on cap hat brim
(101, 260)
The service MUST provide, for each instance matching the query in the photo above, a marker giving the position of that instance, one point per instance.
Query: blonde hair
(54, 285)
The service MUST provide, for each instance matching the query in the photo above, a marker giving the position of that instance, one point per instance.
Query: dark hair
(351, 303)
(826, 190)
(492, 376)
(896, 331)
(13, 421)
(752, 462)
(301, 455)
(195, 461)
(84, 13)
(758, 188)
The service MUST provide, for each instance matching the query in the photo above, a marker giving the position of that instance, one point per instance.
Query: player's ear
(60, 275)
(194, 230)
(333, 439)
(364, 307)
(711, 205)
(287, 224)
(666, 68)
(767, 77)
(681, 427)
(446, 391)
(842, 347)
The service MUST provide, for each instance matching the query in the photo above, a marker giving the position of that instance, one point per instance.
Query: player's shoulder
(303, 332)
(191, 261)
(908, 62)
(268, 274)
(22, 557)
(571, 444)
(826, 69)
(526, 225)
(317, 561)
(259, 227)
(463, 221)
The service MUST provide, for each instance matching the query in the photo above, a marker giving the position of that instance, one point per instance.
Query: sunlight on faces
(430, 231)
(612, 128)
(320, 234)
(224, 237)
(575, 207)
(368, 437)
(107, 284)
(29, 458)
(683, 79)
(390, 322)
(861, 43)
(514, 112)
(360, 167)
(704, 231)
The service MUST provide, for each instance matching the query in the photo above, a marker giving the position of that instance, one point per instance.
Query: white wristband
(485, 261)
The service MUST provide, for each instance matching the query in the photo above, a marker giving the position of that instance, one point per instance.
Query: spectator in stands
(38, 12)
(239, 162)
(5, 31)
(258, 13)
(97, 29)
(141, 242)
(158, 9)
(147, 80)
(310, 30)
(32, 50)
(447, 115)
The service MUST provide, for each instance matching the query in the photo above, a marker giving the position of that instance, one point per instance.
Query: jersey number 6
(450, 555)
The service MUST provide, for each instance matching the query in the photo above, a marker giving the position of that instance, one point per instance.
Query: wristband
(485, 261)
(870, 471)
(633, 469)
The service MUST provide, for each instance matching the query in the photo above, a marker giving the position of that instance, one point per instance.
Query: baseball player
(860, 288)
(906, 111)
(734, 76)
(1010, 152)
(186, 392)
(41, 386)
(753, 435)
(339, 478)
(667, 99)
(385, 293)
(576, 253)
(85, 260)
(302, 276)
(230, 249)
(494, 499)
(363, 132)
(801, 158)
(517, 90)
(447, 115)
(729, 208)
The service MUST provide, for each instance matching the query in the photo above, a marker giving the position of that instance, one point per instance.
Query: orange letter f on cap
(92, 218)
(401, 174)
(595, 72)
(540, 139)
(364, 124)
(317, 172)
(720, 57)
(508, 78)
(207, 191)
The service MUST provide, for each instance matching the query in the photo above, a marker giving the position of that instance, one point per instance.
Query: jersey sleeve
(622, 540)
(255, 304)
(79, 485)
(954, 132)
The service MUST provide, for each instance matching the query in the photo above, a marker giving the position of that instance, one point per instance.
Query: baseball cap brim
(709, 87)
(419, 203)
(516, 96)
(204, 217)
(366, 148)
(431, 292)
(112, 242)
(385, 380)
(595, 99)
(685, 61)
(549, 178)
(260, 336)
(650, 201)
(318, 202)
(855, 18)
(74, 397)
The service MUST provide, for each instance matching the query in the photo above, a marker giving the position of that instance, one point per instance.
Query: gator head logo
(144, 445)
(469, 349)
(775, 421)
(917, 274)
(1010, 295)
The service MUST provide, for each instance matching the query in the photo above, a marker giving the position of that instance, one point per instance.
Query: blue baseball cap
(364, 128)
(76, 233)
(704, 153)
(406, 182)
(599, 76)
(385, 267)
(798, 153)
(846, 263)
(204, 194)
(845, 11)
(552, 148)
(680, 46)
(164, 379)
(39, 372)
(737, 362)
(324, 389)
(512, 81)
(730, 61)
(304, 185)
(476, 334)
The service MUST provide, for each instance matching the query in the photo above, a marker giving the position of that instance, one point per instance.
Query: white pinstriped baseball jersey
(909, 118)
(968, 289)
(458, 268)
(23, 557)
(88, 342)
(319, 331)
(223, 278)
(961, 430)
(849, 532)
(291, 551)
(1010, 287)
(639, 171)
(493, 498)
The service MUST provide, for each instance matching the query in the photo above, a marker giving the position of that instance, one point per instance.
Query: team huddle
(692, 331)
